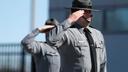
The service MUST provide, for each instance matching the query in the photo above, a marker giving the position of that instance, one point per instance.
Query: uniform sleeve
(53, 36)
(30, 45)
(103, 65)
(60, 40)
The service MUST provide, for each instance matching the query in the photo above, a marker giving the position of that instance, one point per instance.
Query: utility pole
(32, 26)
(33, 12)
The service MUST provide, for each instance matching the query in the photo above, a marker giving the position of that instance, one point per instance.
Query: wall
(117, 48)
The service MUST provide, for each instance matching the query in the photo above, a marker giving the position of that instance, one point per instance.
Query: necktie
(92, 50)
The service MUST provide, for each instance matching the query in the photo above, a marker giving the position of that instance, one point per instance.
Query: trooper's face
(87, 15)
(85, 20)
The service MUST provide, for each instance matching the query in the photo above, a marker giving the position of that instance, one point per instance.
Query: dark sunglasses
(87, 11)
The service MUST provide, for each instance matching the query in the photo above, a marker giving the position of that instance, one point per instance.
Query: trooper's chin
(89, 19)
(88, 22)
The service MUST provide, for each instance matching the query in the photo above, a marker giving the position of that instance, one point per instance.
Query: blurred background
(20, 17)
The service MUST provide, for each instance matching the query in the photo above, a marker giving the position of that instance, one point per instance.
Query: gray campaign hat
(82, 4)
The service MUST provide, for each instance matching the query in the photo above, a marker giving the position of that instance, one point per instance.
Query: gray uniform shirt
(75, 51)
(47, 58)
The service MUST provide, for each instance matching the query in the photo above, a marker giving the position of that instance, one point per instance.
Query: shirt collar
(81, 29)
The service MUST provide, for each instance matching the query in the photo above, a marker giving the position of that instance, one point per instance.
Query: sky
(15, 19)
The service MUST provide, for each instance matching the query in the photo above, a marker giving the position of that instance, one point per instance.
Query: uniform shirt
(47, 58)
(75, 51)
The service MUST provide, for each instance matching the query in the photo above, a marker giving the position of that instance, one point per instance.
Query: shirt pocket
(99, 44)
(53, 57)
(100, 50)
(52, 53)
(81, 47)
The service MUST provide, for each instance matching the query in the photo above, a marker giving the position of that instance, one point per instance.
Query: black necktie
(92, 50)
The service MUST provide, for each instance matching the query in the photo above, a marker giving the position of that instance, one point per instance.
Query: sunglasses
(87, 11)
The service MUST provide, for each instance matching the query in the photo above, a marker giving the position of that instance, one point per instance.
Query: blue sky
(15, 18)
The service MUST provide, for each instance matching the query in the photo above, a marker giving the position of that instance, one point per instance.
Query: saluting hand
(75, 16)
(45, 28)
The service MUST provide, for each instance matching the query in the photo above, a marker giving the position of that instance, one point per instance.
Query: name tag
(81, 44)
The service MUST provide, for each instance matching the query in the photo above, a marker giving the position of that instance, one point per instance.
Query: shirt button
(92, 45)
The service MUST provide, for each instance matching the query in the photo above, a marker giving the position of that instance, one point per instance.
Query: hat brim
(82, 8)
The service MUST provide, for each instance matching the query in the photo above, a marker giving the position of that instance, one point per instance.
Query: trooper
(81, 47)
(46, 58)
